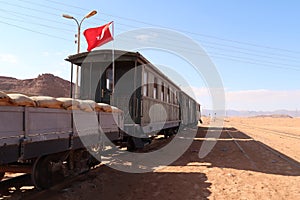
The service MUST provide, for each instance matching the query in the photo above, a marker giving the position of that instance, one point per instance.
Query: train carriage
(151, 102)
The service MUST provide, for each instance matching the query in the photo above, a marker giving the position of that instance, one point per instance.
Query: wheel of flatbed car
(43, 174)
(2, 175)
(130, 144)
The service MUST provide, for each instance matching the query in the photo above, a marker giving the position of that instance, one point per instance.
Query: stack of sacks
(47, 102)
(51, 102)
(4, 99)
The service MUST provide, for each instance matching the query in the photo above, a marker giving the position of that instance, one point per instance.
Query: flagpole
(113, 61)
(71, 86)
(90, 14)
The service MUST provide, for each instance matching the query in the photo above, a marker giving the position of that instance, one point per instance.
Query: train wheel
(45, 172)
(130, 144)
(2, 175)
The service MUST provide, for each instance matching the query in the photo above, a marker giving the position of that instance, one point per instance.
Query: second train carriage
(135, 85)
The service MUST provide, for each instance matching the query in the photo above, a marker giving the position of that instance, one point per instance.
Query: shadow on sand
(185, 178)
(235, 149)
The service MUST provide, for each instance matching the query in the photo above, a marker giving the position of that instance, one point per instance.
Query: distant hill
(236, 113)
(45, 84)
(273, 116)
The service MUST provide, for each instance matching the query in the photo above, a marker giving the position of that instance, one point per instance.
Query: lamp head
(67, 16)
(90, 14)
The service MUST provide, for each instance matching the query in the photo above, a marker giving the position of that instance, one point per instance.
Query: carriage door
(106, 86)
(135, 99)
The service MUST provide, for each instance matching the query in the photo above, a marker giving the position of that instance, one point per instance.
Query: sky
(254, 45)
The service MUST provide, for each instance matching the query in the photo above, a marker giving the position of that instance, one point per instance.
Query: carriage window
(155, 89)
(145, 82)
(173, 97)
(162, 92)
(168, 95)
(109, 83)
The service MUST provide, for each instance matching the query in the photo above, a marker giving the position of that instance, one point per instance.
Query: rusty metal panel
(36, 149)
(11, 125)
(86, 127)
(108, 122)
(48, 124)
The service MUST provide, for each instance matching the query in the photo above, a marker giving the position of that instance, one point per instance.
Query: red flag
(98, 36)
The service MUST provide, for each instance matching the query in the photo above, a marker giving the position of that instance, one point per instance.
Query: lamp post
(90, 14)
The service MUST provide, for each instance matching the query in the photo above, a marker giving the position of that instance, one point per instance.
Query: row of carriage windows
(166, 93)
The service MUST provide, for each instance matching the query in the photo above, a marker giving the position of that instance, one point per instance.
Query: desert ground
(254, 158)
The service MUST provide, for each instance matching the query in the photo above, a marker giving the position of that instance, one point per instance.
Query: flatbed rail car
(45, 143)
(139, 86)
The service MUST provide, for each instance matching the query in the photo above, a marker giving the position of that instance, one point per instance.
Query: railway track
(16, 182)
(33, 194)
(242, 149)
(281, 156)
(51, 192)
(281, 133)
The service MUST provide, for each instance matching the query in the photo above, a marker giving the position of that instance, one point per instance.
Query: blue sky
(253, 44)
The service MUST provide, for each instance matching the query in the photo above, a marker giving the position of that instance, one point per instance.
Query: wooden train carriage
(157, 89)
(189, 109)
(139, 85)
(97, 78)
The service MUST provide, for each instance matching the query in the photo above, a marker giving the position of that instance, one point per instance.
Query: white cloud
(146, 37)
(8, 58)
(256, 100)
(264, 100)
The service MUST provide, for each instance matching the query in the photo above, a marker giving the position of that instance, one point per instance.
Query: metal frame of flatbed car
(30, 132)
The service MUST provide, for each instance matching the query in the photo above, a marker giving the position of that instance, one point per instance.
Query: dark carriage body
(135, 85)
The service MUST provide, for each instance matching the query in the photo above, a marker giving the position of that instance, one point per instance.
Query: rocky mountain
(45, 84)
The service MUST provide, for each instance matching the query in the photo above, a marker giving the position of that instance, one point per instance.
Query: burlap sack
(5, 103)
(116, 110)
(4, 99)
(21, 100)
(87, 105)
(103, 107)
(98, 108)
(73, 107)
(47, 102)
(68, 102)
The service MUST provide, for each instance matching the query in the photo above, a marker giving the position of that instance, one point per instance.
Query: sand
(249, 161)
